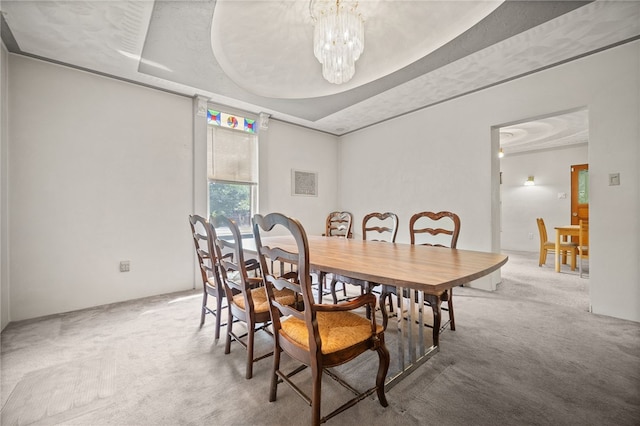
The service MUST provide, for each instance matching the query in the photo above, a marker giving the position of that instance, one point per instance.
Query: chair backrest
(298, 279)
(203, 241)
(436, 233)
(542, 230)
(233, 271)
(583, 236)
(339, 224)
(380, 227)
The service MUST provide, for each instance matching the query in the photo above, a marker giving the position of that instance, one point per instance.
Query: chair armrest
(251, 264)
(352, 304)
(254, 282)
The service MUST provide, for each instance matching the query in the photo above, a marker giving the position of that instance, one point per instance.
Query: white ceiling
(289, 43)
(257, 55)
(553, 132)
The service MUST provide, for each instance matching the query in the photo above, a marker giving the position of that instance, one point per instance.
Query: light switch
(614, 179)
(562, 195)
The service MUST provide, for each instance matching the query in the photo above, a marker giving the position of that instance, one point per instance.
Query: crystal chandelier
(338, 39)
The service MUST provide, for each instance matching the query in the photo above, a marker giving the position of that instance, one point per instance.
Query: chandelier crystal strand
(338, 41)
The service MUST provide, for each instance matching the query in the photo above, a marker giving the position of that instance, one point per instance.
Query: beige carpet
(54, 394)
(527, 354)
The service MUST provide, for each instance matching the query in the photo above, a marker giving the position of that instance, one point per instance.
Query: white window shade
(234, 155)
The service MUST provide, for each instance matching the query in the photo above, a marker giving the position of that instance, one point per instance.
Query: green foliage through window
(583, 186)
(232, 200)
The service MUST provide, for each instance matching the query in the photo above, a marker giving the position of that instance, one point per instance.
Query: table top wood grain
(429, 269)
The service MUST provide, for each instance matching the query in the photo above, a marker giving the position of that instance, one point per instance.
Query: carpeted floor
(529, 353)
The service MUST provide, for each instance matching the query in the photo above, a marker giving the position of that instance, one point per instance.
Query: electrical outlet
(531, 235)
(125, 266)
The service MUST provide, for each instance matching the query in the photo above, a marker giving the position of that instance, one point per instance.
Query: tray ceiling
(257, 55)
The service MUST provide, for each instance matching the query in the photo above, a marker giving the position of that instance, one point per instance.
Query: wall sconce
(529, 181)
(500, 153)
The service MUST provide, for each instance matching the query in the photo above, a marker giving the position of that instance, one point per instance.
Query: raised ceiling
(558, 131)
(257, 55)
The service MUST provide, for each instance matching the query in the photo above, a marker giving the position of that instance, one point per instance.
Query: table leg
(411, 350)
(557, 253)
(573, 262)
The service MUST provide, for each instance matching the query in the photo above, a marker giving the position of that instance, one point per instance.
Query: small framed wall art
(304, 183)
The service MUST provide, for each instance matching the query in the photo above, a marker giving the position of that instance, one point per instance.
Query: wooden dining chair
(440, 229)
(583, 243)
(567, 248)
(375, 227)
(338, 224)
(246, 297)
(203, 240)
(319, 336)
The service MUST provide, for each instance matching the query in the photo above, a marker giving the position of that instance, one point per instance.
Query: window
(583, 186)
(232, 167)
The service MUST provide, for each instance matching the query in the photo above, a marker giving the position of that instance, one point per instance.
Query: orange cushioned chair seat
(260, 302)
(338, 330)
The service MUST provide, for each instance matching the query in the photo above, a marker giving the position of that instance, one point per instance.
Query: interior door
(579, 193)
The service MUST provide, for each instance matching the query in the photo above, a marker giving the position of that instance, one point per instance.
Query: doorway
(536, 181)
(536, 178)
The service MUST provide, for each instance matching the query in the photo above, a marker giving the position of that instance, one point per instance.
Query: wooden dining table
(419, 273)
(564, 233)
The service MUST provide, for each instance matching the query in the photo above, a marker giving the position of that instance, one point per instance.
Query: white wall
(440, 158)
(284, 147)
(100, 171)
(413, 163)
(4, 191)
(614, 216)
(521, 205)
(103, 171)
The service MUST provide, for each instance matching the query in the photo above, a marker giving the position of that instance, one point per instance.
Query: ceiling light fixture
(338, 38)
(500, 153)
(529, 181)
